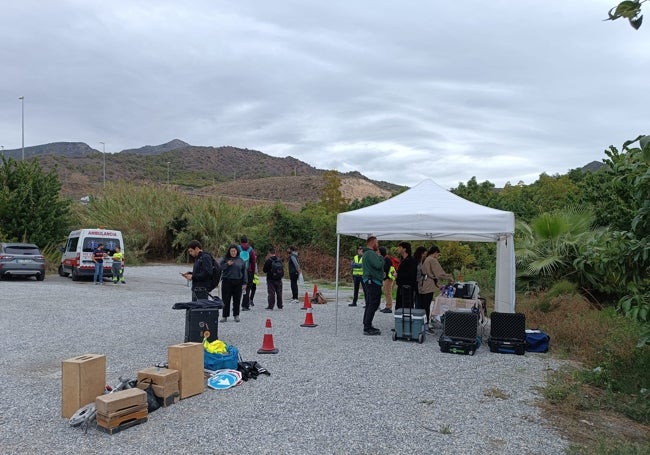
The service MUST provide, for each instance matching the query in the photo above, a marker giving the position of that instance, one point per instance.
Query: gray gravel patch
(331, 389)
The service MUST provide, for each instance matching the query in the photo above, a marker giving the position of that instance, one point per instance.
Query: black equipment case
(201, 323)
(409, 322)
(460, 332)
(507, 333)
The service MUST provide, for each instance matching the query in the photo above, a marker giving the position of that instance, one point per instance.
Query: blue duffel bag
(216, 361)
(537, 341)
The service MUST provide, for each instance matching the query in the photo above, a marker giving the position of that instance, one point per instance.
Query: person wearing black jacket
(201, 274)
(406, 276)
(234, 277)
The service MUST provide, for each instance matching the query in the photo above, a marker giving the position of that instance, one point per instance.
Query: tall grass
(605, 345)
(158, 223)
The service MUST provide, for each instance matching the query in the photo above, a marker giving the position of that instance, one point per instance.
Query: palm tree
(546, 248)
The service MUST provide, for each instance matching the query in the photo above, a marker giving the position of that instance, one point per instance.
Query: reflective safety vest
(391, 273)
(357, 267)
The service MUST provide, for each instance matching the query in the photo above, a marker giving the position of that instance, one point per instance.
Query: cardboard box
(159, 376)
(187, 358)
(165, 383)
(121, 400)
(83, 378)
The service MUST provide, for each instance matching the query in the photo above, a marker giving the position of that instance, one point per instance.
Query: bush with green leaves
(31, 207)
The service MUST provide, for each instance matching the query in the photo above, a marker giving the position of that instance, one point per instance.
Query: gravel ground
(331, 389)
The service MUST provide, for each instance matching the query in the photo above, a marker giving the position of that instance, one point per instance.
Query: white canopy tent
(429, 212)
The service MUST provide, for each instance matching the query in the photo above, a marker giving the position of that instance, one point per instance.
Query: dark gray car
(21, 259)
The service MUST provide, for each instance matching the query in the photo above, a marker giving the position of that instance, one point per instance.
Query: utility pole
(22, 103)
(104, 156)
(168, 163)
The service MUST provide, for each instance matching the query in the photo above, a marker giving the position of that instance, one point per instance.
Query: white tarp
(429, 212)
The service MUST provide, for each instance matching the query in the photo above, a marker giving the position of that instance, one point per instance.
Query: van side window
(72, 244)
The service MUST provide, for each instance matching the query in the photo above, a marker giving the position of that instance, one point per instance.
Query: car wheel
(62, 272)
(75, 275)
(40, 277)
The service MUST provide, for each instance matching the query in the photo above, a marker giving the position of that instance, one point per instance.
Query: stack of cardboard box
(122, 409)
(164, 382)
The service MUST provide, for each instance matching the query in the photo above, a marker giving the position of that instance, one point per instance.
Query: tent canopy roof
(427, 211)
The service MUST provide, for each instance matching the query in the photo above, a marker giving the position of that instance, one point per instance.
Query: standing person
(373, 275)
(406, 276)
(98, 259)
(389, 278)
(249, 256)
(233, 282)
(431, 270)
(118, 266)
(274, 269)
(253, 287)
(201, 274)
(294, 271)
(419, 256)
(357, 275)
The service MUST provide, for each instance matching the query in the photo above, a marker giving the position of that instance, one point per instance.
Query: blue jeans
(99, 272)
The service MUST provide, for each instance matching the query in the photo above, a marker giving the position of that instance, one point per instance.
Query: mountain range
(227, 171)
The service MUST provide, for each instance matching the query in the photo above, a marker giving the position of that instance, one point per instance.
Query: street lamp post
(22, 104)
(104, 157)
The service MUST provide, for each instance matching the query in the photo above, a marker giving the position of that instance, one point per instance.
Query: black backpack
(277, 269)
(215, 277)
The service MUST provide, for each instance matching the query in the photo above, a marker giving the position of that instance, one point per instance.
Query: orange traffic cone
(267, 342)
(315, 291)
(309, 319)
(307, 302)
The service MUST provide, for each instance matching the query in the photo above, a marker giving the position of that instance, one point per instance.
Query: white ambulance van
(77, 260)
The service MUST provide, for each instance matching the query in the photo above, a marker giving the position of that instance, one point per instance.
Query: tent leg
(336, 304)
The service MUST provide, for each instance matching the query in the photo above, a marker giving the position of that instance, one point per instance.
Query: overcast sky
(397, 90)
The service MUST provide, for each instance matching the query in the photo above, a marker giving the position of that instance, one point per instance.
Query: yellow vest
(391, 273)
(118, 257)
(357, 268)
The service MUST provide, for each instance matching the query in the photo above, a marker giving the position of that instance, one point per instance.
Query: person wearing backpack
(233, 282)
(274, 269)
(248, 255)
(201, 274)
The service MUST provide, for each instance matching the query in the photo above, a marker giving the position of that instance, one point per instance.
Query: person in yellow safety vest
(389, 279)
(118, 266)
(357, 275)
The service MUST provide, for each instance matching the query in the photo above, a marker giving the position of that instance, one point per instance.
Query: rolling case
(459, 334)
(201, 323)
(507, 333)
(409, 322)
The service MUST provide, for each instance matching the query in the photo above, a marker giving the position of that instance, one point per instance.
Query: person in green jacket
(373, 277)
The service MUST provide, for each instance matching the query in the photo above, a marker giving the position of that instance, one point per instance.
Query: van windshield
(90, 243)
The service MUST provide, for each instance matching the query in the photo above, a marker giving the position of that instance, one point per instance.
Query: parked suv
(21, 259)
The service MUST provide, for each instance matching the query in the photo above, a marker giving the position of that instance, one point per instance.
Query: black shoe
(251, 303)
(372, 332)
(245, 308)
(269, 308)
(280, 307)
(386, 310)
(352, 304)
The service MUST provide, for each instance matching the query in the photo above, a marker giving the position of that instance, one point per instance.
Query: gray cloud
(399, 91)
